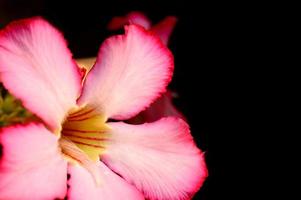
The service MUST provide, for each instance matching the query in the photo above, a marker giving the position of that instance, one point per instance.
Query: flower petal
(164, 28)
(134, 17)
(159, 158)
(37, 67)
(131, 71)
(112, 187)
(31, 166)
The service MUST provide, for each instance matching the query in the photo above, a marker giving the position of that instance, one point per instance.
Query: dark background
(203, 47)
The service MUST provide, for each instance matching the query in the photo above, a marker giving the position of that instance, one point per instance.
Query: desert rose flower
(73, 150)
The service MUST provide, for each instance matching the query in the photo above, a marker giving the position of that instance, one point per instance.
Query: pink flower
(156, 160)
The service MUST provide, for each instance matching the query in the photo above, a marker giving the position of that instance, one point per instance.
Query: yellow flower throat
(87, 130)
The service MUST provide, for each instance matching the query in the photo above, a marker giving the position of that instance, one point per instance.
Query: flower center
(87, 130)
(83, 137)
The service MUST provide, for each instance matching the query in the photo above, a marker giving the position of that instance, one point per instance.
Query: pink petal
(31, 166)
(131, 71)
(164, 28)
(134, 17)
(37, 67)
(160, 158)
(162, 107)
(112, 187)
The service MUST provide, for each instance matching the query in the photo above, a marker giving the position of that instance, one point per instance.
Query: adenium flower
(74, 150)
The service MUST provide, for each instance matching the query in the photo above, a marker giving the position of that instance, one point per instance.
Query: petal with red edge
(134, 17)
(112, 187)
(160, 158)
(131, 71)
(37, 67)
(164, 28)
(31, 166)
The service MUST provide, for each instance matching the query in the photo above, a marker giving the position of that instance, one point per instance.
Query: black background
(203, 46)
